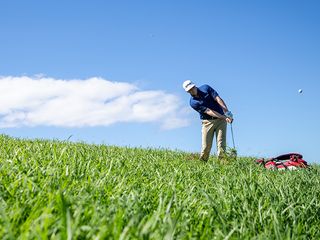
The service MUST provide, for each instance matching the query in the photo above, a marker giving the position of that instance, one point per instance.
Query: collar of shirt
(200, 95)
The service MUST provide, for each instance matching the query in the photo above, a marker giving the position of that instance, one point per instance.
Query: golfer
(214, 115)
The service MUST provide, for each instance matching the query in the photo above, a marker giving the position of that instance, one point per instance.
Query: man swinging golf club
(214, 115)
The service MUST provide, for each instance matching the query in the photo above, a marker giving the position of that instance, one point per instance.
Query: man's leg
(207, 138)
(221, 131)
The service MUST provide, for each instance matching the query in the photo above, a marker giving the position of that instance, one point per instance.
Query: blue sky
(111, 72)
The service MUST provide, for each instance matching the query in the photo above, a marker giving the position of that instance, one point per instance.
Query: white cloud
(41, 101)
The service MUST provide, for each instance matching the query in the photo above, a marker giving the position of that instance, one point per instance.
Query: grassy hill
(63, 190)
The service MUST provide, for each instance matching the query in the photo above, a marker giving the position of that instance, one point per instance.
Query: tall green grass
(63, 190)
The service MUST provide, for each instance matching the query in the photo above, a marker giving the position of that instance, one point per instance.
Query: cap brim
(189, 87)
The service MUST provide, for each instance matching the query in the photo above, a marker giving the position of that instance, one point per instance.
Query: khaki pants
(209, 128)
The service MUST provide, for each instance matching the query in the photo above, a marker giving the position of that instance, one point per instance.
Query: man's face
(193, 91)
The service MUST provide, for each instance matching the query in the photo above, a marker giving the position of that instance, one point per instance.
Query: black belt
(210, 118)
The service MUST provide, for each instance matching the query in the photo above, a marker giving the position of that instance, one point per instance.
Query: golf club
(232, 136)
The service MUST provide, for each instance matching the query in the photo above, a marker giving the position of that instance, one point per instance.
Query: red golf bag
(289, 161)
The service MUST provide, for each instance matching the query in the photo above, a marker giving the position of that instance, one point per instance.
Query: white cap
(187, 85)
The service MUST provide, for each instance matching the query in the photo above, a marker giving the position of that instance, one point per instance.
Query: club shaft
(234, 146)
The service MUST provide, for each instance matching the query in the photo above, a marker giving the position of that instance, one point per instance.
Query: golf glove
(229, 114)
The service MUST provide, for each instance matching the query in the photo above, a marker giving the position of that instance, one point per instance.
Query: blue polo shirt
(205, 99)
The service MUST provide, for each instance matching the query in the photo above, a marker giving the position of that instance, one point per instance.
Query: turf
(65, 190)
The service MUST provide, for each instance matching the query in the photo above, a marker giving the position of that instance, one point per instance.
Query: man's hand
(229, 120)
(229, 116)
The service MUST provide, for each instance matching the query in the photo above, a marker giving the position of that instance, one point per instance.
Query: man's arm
(222, 104)
(213, 113)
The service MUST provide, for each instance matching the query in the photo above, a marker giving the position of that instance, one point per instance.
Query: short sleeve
(212, 92)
